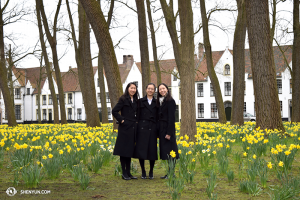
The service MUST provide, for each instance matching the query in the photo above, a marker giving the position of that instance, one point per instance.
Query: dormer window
(227, 69)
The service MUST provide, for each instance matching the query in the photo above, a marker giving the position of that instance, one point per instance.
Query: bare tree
(53, 43)
(262, 64)
(239, 66)
(210, 67)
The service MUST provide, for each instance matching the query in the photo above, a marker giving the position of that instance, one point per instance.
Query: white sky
(26, 33)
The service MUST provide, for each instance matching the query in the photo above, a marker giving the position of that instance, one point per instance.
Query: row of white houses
(26, 82)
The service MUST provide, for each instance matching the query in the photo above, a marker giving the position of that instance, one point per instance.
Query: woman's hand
(168, 137)
(122, 121)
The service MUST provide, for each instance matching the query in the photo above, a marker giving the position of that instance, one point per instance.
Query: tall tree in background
(296, 64)
(239, 66)
(153, 39)
(9, 108)
(143, 40)
(263, 68)
(53, 44)
(48, 66)
(104, 41)
(210, 67)
(84, 66)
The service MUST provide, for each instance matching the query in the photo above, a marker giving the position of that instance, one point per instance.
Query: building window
(109, 112)
(50, 100)
(174, 78)
(281, 107)
(200, 110)
(65, 98)
(17, 93)
(79, 116)
(279, 86)
(37, 114)
(70, 98)
(200, 90)
(44, 114)
(50, 114)
(107, 97)
(155, 95)
(245, 109)
(227, 88)
(69, 113)
(214, 111)
(99, 98)
(57, 97)
(28, 91)
(212, 90)
(36, 100)
(44, 100)
(18, 112)
(227, 69)
(291, 86)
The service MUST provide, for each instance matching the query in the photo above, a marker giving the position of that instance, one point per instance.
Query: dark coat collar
(144, 100)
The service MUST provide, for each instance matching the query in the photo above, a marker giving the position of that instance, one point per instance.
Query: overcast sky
(125, 25)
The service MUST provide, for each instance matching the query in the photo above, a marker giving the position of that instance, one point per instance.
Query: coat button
(143, 120)
(142, 128)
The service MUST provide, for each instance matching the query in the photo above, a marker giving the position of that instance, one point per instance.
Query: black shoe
(151, 175)
(164, 177)
(132, 177)
(125, 177)
(143, 175)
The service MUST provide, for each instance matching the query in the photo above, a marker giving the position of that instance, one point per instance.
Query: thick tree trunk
(239, 66)
(102, 91)
(154, 48)
(143, 39)
(39, 82)
(296, 65)
(8, 102)
(101, 31)
(48, 67)
(53, 42)
(210, 67)
(187, 80)
(10, 75)
(85, 71)
(263, 68)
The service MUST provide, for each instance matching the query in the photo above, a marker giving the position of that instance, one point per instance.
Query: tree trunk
(85, 70)
(210, 67)
(10, 75)
(154, 48)
(53, 42)
(9, 108)
(102, 90)
(143, 39)
(101, 31)
(187, 76)
(47, 64)
(39, 82)
(237, 117)
(263, 68)
(296, 65)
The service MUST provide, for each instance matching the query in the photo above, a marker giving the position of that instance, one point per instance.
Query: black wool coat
(147, 132)
(126, 132)
(166, 117)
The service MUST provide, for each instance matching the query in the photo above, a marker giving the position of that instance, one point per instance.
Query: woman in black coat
(166, 121)
(146, 144)
(126, 139)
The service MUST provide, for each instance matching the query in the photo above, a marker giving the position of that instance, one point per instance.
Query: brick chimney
(200, 51)
(128, 61)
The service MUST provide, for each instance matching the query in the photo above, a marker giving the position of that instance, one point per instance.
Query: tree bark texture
(187, 80)
(48, 67)
(143, 39)
(237, 117)
(9, 108)
(53, 44)
(104, 112)
(210, 67)
(296, 65)
(154, 48)
(263, 68)
(85, 71)
(104, 41)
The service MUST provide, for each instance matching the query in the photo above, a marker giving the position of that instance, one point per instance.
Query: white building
(27, 80)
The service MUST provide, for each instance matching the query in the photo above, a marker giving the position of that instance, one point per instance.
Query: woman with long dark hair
(146, 144)
(126, 139)
(166, 118)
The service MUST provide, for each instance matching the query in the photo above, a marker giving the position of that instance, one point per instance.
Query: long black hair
(168, 95)
(136, 96)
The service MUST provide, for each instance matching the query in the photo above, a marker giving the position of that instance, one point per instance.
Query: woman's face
(132, 90)
(150, 90)
(162, 90)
